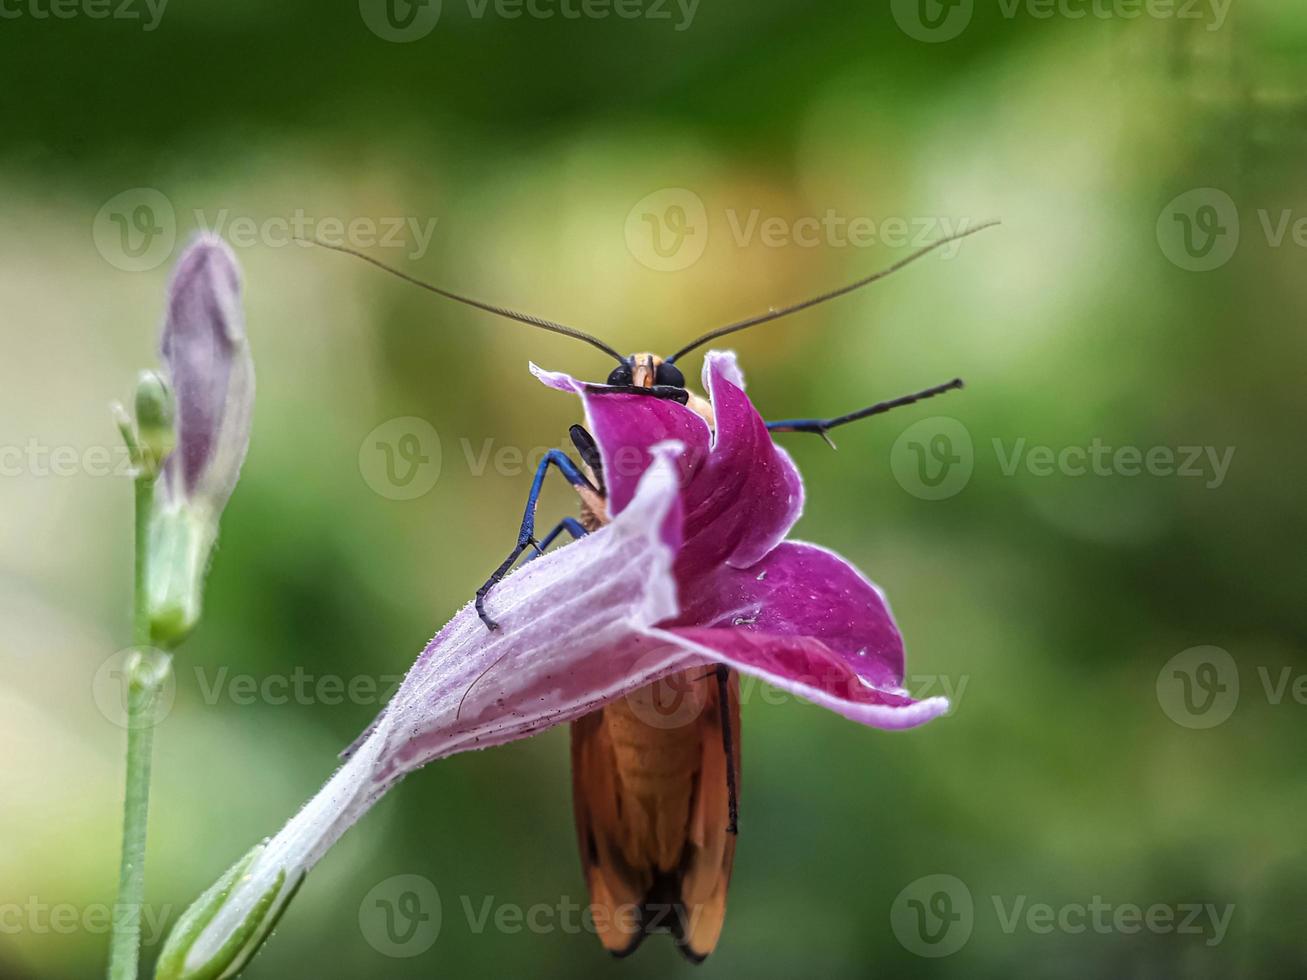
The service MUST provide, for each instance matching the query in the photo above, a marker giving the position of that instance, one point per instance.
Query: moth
(655, 784)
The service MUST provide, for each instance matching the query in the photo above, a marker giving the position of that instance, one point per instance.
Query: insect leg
(526, 535)
(728, 745)
(822, 426)
(589, 449)
(569, 524)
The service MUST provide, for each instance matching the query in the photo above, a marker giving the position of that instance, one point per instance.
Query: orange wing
(707, 874)
(614, 885)
(651, 806)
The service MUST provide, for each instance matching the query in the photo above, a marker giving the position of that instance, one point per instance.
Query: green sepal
(181, 540)
(232, 956)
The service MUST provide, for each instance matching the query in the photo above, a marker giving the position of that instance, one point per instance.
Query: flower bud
(211, 380)
(154, 420)
(211, 373)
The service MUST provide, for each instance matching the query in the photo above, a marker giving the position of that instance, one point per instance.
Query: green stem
(146, 671)
(140, 607)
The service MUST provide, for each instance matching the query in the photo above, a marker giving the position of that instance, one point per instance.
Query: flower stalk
(145, 673)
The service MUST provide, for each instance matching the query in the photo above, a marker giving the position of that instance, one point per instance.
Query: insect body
(655, 812)
(655, 775)
(655, 786)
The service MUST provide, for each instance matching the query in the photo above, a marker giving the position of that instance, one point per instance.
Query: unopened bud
(199, 421)
(154, 420)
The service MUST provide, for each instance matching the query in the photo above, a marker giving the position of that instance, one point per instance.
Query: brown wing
(616, 889)
(710, 851)
(651, 807)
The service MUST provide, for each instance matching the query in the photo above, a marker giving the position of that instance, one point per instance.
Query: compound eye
(621, 375)
(669, 374)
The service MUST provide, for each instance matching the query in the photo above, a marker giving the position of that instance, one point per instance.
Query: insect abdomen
(657, 771)
(650, 788)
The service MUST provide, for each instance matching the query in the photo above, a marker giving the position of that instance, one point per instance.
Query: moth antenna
(753, 321)
(527, 318)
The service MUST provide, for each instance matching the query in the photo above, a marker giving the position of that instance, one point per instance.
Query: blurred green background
(552, 154)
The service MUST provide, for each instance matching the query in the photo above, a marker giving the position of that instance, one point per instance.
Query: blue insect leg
(526, 535)
(569, 524)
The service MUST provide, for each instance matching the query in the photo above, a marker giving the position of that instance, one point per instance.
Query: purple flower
(794, 614)
(693, 569)
(211, 377)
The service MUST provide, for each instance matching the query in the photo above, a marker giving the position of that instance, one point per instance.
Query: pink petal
(807, 668)
(807, 621)
(627, 427)
(572, 636)
(749, 492)
(741, 494)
